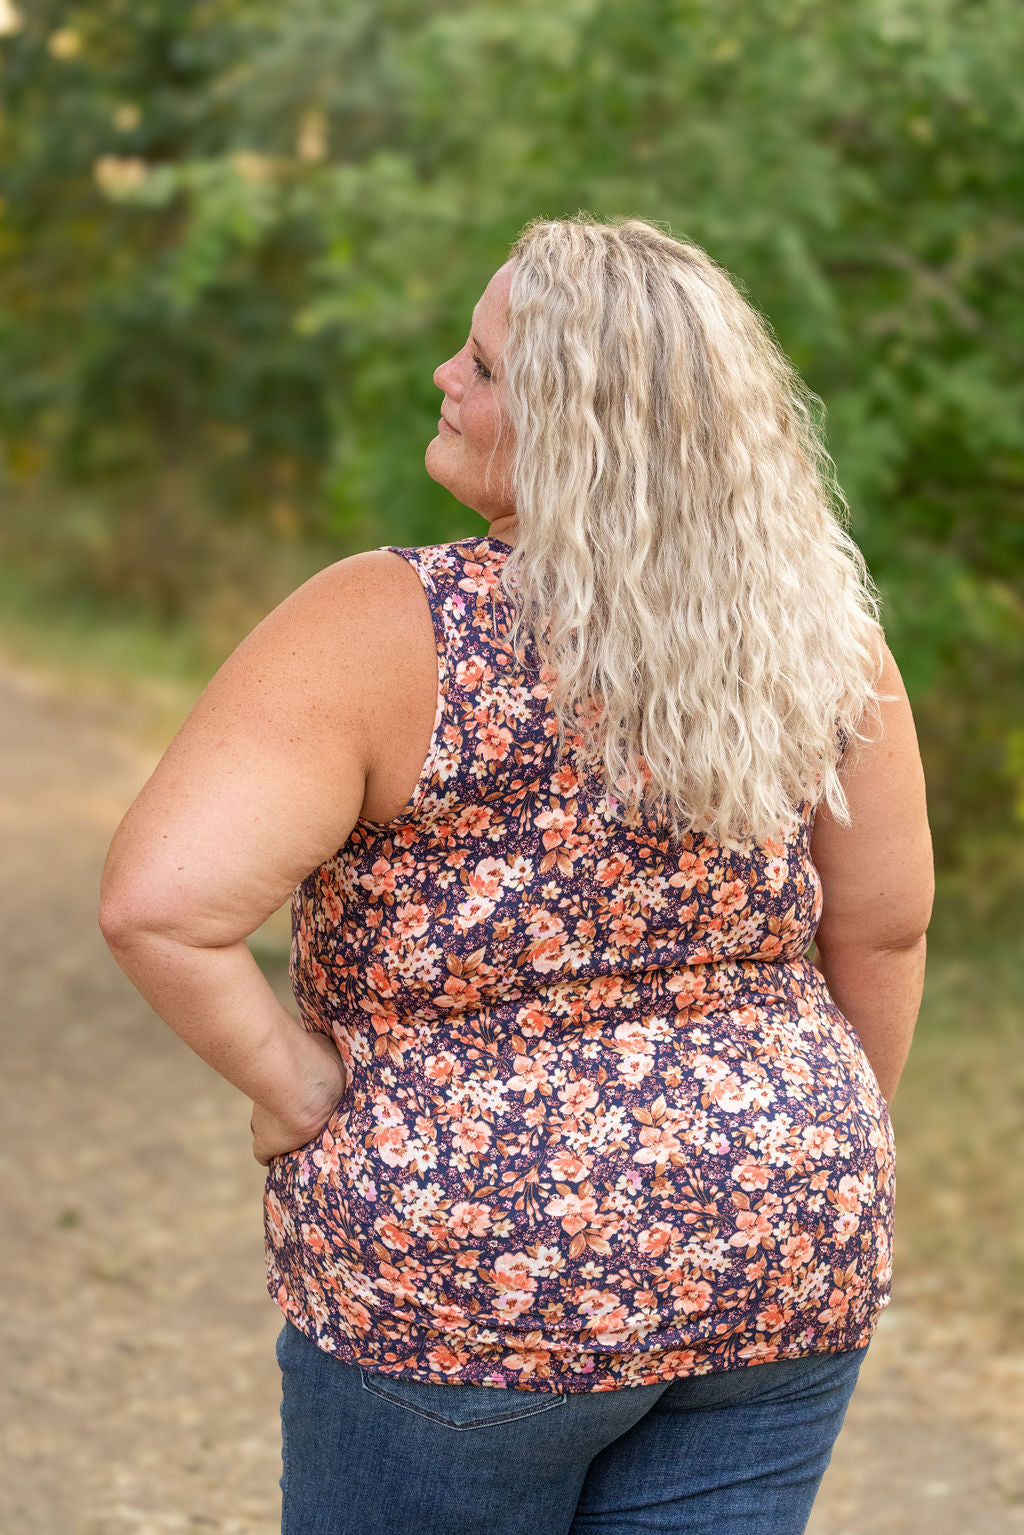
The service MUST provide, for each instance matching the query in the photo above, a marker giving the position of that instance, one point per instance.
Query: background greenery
(236, 239)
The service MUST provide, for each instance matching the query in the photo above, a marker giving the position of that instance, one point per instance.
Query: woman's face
(471, 411)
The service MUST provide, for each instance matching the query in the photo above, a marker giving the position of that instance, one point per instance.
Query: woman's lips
(444, 425)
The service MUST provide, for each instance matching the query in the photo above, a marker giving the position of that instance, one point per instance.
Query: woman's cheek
(482, 428)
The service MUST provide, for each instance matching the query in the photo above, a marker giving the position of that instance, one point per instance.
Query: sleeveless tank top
(605, 1125)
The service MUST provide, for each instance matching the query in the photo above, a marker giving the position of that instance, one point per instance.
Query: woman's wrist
(308, 1084)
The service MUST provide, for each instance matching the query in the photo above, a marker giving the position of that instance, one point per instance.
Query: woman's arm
(264, 781)
(878, 884)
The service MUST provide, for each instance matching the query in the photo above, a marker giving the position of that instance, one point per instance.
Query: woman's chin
(434, 461)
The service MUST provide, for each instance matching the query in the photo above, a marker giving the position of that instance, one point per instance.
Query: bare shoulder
(335, 641)
(310, 685)
(877, 873)
(357, 598)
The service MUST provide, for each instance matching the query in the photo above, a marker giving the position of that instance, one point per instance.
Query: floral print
(605, 1125)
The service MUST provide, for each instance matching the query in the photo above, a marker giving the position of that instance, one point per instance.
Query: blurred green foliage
(237, 238)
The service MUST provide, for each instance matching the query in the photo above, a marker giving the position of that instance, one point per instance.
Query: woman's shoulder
(344, 631)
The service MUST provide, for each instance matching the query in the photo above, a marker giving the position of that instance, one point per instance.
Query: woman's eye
(481, 370)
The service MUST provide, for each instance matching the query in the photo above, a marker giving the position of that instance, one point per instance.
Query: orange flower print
(655, 1240)
(392, 1234)
(557, 825)
(471, 1135)
(275, 1219)
(444, 1361)
(441, 1068)
(628, 931)
(473, 821)
(605, 1124)
(458, 993)
(474, 910)
(326, 1158)
(692, 1295)
(532, 1022)
(761, 1350)
(578, 1096)
(687, 987)
(657, 1145)
(566, 782)
(576, 1212)
(819, 1140)
(471, 672)
(530, 1077)
(514, 1271)
(772, 1317)
(493, 742)
(600, 1304)
(837, 1308)
(391, 1145)
(753, 1227)
(611, 870)
(412, 919)
(776, 871)
(381, 879)
(548, 954)
(487, 878)
(730, 897)
(751, 1176)
(479, 579)
(545, 924)
(690, 870)
(797, 1250)
(567, 1167)
(469, 1220)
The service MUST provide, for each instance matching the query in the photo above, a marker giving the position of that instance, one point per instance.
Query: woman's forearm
(219, 1002)
(879, 991)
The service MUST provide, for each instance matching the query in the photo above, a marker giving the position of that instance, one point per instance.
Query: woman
(580, 1175)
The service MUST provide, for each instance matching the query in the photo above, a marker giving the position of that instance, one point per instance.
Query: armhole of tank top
(412, 557)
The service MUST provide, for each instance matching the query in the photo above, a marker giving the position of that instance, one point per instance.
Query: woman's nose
(446, 378)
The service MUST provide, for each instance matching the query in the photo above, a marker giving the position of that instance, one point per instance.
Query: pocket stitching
(557, 1400)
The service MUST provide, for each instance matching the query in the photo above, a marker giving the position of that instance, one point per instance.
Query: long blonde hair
(711, 628)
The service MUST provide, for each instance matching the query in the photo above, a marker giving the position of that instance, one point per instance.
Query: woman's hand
(320, 1093)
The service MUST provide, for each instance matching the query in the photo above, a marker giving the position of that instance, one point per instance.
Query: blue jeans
(740, 1452)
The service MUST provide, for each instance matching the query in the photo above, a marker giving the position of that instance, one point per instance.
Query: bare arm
(878, 885)
(264, 781)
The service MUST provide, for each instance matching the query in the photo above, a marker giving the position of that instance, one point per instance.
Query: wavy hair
(710, 629)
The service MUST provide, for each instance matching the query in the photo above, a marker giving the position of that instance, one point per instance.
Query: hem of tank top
(440, 712)
(565, 1385)
(561, 1382)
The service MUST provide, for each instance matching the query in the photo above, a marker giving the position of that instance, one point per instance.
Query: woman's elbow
(123, 922)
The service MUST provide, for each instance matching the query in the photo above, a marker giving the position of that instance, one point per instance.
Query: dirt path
(140, 1391)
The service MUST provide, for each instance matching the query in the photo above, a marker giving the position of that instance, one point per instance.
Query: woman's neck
(504, 528)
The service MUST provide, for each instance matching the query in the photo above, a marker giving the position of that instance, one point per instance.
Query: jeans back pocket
(458, 1406)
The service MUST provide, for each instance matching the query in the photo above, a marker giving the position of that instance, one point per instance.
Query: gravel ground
(140, 1391)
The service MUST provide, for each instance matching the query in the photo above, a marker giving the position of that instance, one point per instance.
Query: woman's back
(572, 1111)
(605, 1123)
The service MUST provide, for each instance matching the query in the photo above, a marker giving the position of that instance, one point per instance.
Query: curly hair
(710, 628)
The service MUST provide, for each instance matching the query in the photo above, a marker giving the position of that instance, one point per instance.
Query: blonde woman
(579, 1200)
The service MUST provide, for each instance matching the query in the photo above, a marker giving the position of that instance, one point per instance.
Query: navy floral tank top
(605, 1125)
